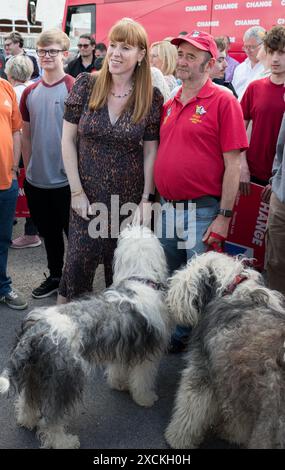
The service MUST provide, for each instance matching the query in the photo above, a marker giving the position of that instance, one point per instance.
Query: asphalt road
(107, 419)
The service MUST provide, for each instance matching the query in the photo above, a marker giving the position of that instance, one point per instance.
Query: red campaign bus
(163, 18)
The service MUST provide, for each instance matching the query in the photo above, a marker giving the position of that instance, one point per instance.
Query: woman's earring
(139, 64)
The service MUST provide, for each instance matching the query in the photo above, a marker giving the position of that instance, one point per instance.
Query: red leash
(216, 246)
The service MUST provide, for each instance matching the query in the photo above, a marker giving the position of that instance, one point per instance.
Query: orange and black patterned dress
(110, 163)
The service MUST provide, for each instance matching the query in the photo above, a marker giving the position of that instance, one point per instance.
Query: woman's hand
(81, 205)
(142, 214)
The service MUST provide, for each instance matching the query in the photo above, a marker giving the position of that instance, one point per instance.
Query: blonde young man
(46, 184)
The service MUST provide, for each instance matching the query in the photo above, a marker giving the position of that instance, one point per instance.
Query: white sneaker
(14, 300)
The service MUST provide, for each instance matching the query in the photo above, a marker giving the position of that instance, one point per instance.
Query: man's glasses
(7, 44)
(50, 52)
(85, 46)
(251, 48)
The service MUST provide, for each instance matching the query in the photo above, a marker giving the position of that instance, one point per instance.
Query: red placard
(248, 226)
(22, 209)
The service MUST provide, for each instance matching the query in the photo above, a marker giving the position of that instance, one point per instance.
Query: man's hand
(266, 193)
(81, 205)
(14, 174)
(219, 226)
(244, 185)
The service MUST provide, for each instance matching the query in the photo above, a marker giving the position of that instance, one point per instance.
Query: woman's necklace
(124, 94)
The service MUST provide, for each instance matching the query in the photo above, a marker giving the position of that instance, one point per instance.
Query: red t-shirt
(193, 139)
(263, 103)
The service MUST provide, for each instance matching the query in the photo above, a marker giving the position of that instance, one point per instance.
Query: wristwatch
(148, 197)
(225, 212)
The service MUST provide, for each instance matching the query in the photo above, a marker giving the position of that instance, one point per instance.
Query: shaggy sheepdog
(126, 329)
(234, 380)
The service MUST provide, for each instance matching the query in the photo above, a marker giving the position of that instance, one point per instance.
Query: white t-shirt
(20, 88)
(245, 73)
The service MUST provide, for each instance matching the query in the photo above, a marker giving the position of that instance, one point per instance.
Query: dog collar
(148, 282)
(237, 280)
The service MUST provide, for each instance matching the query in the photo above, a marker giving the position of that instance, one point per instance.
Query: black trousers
(50, 211)
(30, 228)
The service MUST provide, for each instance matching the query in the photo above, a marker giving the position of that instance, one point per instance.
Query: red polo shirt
(193, 139)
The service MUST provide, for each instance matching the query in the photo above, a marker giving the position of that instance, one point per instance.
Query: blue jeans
(181, 236)
(8, 201)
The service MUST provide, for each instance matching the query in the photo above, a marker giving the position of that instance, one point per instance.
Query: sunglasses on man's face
(85, 46)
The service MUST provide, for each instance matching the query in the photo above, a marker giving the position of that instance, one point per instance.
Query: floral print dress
(110, 163)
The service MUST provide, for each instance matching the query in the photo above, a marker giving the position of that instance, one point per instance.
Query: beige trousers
(275, 245)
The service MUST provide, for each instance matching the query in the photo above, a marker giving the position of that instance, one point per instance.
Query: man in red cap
(197, 169)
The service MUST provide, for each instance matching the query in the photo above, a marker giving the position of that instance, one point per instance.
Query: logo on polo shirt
(196, 118)
(7, 103)
(200, 110)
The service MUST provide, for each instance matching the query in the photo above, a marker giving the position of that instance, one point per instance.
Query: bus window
(80, 20)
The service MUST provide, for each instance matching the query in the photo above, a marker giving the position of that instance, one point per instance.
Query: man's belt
(199, 201)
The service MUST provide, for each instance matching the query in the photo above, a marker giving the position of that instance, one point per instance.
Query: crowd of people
(180, 118)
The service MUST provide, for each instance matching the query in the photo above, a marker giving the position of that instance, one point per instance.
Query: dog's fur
(235, 375)
(126, 328)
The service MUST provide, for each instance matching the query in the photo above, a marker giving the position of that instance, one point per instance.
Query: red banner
(22, 209)
(248, 227)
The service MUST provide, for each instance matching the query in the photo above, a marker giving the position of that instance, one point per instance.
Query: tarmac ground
(107, 419)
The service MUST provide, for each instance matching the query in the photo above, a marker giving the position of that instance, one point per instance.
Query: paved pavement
(107, 419)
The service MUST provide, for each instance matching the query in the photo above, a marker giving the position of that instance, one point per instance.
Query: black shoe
(47, 288)
(177, 346)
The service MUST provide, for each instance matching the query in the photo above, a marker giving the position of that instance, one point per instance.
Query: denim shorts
(181, 228)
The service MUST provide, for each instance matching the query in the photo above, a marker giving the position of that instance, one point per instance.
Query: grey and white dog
(234, 380)
(125, 328)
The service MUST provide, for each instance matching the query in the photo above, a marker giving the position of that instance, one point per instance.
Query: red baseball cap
(199, 39)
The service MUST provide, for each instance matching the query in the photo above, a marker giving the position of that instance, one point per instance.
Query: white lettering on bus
(206, 24)
(197, 8)
(283, 3)
(226, 6)
(247, 22)
(259, 4)
(281, 21)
